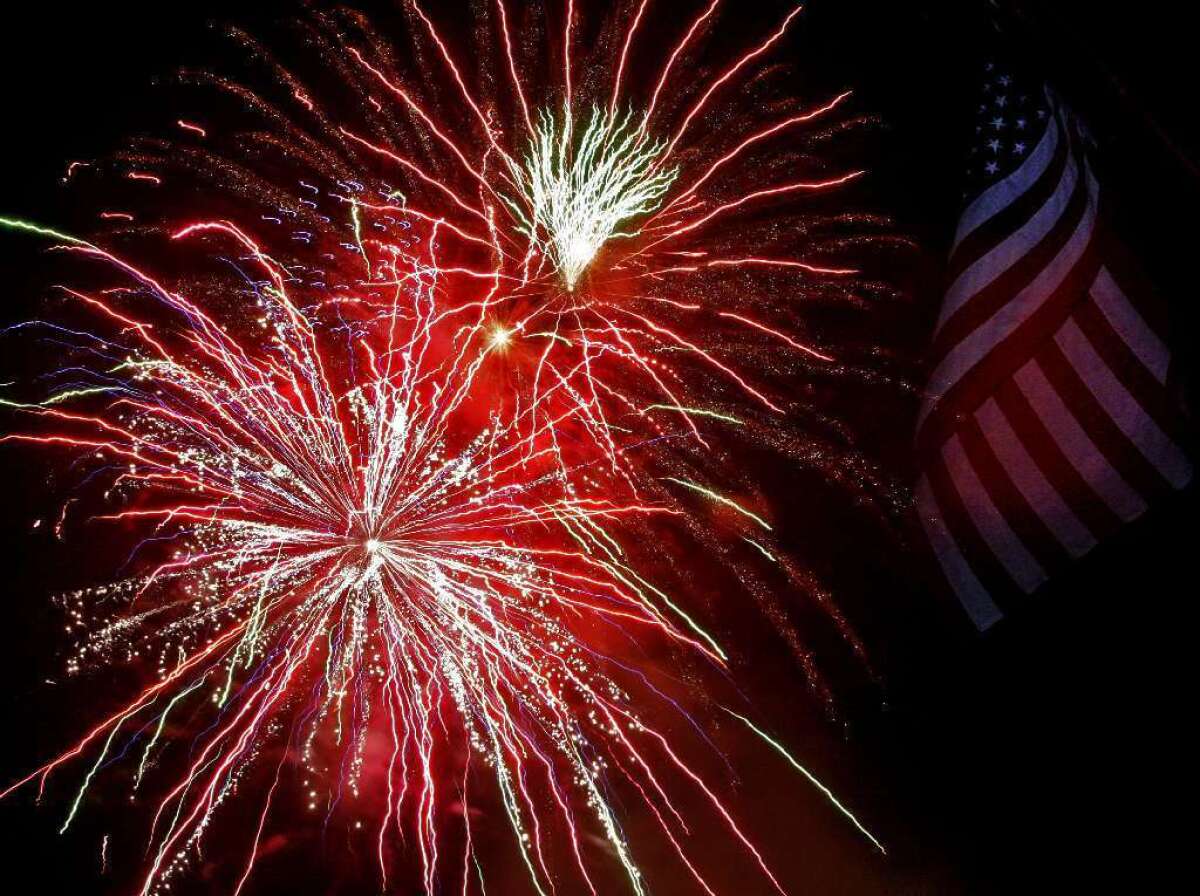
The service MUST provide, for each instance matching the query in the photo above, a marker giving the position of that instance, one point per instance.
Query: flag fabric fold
(1047, 420)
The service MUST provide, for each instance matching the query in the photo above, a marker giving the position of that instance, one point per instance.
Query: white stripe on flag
(976, 346)
(1129, 415)
(1041, 494)
(1019, 244)
(1003, 193)
(1004, 542)
(970, 591)
(1130, 326)
(1083, 454)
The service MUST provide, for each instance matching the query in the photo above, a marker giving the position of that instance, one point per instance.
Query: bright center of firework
(373, 546)
(501, 337)
(579, 188)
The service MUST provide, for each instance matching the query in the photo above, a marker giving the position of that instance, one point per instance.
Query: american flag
(1046, 423)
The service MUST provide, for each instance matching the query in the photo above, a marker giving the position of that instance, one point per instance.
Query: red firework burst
(414, 457)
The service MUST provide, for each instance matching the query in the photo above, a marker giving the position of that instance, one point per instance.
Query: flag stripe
(1077, 445)
(978, 307)
(1078, 494)
(1142, 476)
(1130, 325)
(967, 587)
(1009, 501)
(989, 522)
(1115, 353)
(974, 348)
(1122, 407)
(974, 548)
(1027, 476)
(1003, 257)
(1013, 216)
(1005, 192)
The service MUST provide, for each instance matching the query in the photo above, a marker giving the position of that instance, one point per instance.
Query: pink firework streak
(402, 460)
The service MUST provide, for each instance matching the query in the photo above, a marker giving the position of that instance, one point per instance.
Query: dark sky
(1044, 757)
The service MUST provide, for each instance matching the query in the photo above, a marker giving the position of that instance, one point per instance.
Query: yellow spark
(721, 499)
(812, 779)
(699, 412)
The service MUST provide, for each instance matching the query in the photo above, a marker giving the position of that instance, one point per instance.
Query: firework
(605, 219)
(348, 554)
(400, 468)
(578, 191)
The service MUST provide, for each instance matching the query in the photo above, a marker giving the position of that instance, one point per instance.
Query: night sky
(1045, 756)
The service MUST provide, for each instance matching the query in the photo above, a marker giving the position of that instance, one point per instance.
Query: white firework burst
(578, 189)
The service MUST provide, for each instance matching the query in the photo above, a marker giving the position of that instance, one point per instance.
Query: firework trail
(397, 456)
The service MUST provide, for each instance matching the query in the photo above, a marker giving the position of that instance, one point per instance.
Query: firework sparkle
(396, 467)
